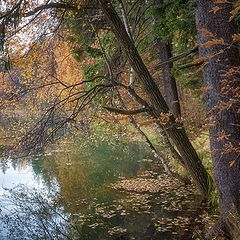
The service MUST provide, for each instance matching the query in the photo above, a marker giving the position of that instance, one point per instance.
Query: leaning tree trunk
(222, 83)
(164, 51)
(160, 108)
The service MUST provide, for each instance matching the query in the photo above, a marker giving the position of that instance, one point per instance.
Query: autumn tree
(151, 102)
(102, 32)
(217, 34)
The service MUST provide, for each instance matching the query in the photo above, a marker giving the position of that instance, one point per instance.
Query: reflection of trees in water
(85, 172)
(81, 177)
(79, 202)
(29, 214)
(3, 165)
(15, 163)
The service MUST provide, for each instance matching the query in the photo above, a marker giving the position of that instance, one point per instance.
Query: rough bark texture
(220, 58)
(175, 132)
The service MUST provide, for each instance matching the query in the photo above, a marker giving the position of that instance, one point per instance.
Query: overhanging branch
(50, 6)
(178, 57)
(190, 65)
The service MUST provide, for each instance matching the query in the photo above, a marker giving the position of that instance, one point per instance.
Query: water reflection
(14, 174)
(100, 190)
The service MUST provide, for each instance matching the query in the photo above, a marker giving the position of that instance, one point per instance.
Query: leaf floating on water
(116, 230)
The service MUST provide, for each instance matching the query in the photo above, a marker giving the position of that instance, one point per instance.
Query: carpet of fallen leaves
(151, 205)
(179, 213)
(147, 182)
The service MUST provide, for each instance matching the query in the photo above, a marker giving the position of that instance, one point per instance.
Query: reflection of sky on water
(78, 187)
(10, 177)
(78, 177)
(13, 177)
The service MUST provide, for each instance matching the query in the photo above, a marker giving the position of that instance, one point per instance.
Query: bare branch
(51, 6)
(7, 14)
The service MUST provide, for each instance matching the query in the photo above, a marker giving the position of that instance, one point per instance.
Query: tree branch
(8, 13)
(190, 65)
(49, 6)
(126, 112)
(178, 57)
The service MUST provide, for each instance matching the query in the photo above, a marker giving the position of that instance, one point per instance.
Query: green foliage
(93, 52)
(108, 40)
(193, 84)
(82, 34)
(5, 63)
(175, 20)
(189, 78)
(213, 200)
(78, 53)
(92, 71)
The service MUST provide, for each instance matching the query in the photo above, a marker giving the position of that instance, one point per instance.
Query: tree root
(219, 228)
(225, 226)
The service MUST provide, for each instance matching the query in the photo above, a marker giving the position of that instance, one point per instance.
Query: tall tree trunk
(169, 82)
(215, 32)
(161, 110)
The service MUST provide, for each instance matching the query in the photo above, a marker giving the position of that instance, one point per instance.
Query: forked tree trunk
(175, 132)
(220, 59)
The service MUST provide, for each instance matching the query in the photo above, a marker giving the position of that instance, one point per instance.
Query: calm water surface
(103, 190)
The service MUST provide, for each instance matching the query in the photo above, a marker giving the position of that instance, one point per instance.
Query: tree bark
(175, 132)
(220, 59)
(164, 51)
(169, 82)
